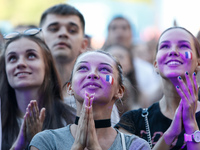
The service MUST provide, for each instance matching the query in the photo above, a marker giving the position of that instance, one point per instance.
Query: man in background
(63, 28)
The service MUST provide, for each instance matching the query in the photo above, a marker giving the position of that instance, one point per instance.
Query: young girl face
(176, 53)
(89, 75)
(24, 64)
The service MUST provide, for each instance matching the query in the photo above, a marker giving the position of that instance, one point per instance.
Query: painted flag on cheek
(188, 55)
(109, 79)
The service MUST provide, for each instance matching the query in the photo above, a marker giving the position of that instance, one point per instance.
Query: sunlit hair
(50, 94)
(196, 43)
(64, 10)
(118, 65)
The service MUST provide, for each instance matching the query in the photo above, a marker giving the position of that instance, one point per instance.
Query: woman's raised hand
(189, 94)
(34, 119)
(32, 124)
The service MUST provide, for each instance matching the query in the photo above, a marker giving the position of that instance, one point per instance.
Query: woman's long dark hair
(50, 97)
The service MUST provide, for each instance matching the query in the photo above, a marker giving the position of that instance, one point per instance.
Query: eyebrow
(11, 53)
(73, 24)
(165, 42)
(57, 23)
(28, 50)
(53, 24)
(181, 41)
(100, 63)
(31, 50)
(106, 64)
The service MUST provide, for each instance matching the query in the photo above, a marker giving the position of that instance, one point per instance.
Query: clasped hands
(32, 124)
(86, 137)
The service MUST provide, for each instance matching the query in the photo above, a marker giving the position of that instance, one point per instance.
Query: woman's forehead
(176, 34)
(22, 44)
(97, 57)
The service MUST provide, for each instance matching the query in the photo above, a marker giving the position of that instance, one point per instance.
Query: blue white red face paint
(188, 55)
(109, 79)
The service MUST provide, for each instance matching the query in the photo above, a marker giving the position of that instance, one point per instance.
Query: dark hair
(50, 96)
(196, 43)
(62, 9)
(118, 65)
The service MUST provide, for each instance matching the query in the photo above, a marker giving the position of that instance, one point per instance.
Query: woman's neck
(171, 99)
(100, 112)
(24, 97)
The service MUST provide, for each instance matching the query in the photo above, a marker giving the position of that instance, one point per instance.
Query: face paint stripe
(188, 55)
(109, 79)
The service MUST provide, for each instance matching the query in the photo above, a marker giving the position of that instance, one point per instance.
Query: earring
(69, 92)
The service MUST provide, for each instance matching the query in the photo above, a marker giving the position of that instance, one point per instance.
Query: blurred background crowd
(146, 18)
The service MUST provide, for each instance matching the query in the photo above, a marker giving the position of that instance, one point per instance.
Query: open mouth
(91, 85)
(22, 73)
(174, 62)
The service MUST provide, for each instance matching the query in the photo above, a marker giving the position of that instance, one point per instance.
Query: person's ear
(69, 89)
(120, 92)
(155, 64)
(84, 45)
(198, 65)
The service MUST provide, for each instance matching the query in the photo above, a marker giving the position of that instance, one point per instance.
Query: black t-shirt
(133, 122)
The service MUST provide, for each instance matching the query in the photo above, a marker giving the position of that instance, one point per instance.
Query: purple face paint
(109, 79)
(188, 55)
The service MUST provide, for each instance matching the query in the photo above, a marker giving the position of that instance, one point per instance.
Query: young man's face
(64, 36)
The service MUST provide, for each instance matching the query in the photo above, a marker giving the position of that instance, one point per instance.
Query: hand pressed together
(32, 124)
(86, 137)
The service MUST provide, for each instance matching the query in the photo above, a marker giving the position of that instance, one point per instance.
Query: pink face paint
(109, 79)
(188, 55)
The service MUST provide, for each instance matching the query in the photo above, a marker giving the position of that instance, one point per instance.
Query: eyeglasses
(31, 32)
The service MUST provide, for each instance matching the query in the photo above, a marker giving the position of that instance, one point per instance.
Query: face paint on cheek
(109, 79)
(188, 55)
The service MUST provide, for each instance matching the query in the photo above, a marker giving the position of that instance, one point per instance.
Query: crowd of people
(57, 92)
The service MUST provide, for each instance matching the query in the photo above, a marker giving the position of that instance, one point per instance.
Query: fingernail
(194, 74)
(177, 87)
(179, 77)
(186, 73)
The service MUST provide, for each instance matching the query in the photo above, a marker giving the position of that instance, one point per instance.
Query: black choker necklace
(98, 123)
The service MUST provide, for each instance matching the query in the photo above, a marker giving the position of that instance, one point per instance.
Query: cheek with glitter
(188, 55)
(109, 79)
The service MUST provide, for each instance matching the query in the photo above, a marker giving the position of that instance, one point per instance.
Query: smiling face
(89, 75)
(24, 64)
(171, 60)
(64, 36)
